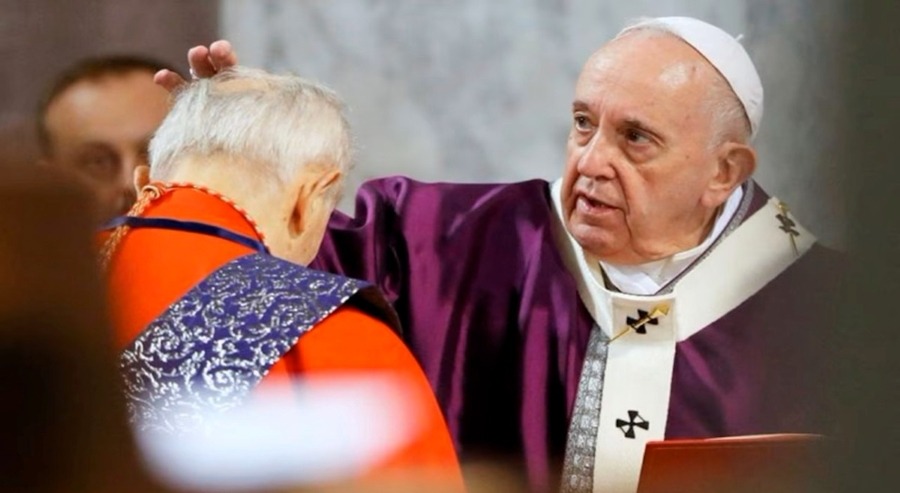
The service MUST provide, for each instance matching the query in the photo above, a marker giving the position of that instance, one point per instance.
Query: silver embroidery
(211, 348)
(578, 468)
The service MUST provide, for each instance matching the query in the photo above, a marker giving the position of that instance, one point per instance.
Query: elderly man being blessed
(210, 299)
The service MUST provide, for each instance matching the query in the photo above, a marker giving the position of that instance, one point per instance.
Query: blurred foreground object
(866, 373)
(18, 144)
(316, 430)
(62, 423)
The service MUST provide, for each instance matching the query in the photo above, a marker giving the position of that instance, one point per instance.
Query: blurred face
(100, 128)
(639, 164)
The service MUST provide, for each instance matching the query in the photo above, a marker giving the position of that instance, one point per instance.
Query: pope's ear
(141, 177)
(735, 164)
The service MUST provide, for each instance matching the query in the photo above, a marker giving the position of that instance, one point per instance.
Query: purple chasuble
(494, 317)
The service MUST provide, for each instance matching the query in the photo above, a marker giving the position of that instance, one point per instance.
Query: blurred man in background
(96, 120)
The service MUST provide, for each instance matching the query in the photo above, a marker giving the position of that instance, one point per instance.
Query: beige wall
(40, 37)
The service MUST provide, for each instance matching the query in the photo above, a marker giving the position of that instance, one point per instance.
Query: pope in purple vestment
(654, 292)
(494, 316)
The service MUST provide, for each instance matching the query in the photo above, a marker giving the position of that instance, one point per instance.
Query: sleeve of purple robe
(370, 245)
(485, 302)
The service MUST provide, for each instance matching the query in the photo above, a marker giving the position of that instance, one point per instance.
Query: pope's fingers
(201, 66)
(222, 55)
(168, 80)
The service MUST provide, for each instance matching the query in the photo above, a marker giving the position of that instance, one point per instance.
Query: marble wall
(475, 90)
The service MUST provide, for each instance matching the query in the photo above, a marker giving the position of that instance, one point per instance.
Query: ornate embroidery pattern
(578, 468)
(209, 349)
(788, 226)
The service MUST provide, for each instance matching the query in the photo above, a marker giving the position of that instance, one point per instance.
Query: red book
(789, 462)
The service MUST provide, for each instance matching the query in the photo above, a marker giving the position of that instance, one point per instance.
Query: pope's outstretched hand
(204, 61)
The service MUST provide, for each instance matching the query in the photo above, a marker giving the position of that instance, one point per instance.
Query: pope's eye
(582, 122)
(636, 136)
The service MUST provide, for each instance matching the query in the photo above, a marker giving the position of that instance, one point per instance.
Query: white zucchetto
(724, 52)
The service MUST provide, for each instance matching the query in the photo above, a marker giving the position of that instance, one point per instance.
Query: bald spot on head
(240, 85)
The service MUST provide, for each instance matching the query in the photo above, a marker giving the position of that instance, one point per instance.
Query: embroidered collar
(152, 192)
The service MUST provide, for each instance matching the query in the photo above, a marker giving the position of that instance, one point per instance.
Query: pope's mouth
(590, 206)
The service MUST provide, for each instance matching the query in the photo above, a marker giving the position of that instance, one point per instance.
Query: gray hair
(729, 118)
(280, 123)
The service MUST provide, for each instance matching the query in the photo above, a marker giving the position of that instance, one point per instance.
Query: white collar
(737, 267)
(648, 278)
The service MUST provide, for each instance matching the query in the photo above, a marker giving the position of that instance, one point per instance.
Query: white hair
(279, 123)
(729, 118)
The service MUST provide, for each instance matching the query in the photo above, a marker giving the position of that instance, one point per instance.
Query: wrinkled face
(100, 128)
(639, 160)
